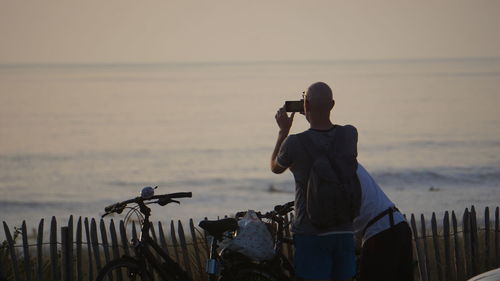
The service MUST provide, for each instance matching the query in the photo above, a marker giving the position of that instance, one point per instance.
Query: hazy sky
(231, 30)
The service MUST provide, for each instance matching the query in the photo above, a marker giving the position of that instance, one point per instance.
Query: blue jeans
(325, 257)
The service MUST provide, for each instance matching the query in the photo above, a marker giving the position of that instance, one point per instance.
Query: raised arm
(284, 123)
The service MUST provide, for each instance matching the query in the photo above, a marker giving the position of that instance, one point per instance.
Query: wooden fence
(453, 251)
(449, 251)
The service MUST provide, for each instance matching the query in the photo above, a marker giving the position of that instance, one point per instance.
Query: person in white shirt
(386, 252)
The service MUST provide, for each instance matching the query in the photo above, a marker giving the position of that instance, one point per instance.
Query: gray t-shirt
(293, 155)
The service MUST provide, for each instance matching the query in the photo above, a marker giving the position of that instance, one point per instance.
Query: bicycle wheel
(252, 274)
(123, 269)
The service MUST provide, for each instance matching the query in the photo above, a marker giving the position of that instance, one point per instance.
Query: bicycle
(236, 266)
(144, 263)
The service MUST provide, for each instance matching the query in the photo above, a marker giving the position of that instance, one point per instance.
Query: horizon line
(246, 62)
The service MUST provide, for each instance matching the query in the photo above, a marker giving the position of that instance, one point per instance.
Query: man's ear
(333, 104)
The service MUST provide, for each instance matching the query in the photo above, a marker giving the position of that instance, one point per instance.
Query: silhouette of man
(319, 254)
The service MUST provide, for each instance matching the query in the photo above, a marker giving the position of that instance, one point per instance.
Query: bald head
(319, 98)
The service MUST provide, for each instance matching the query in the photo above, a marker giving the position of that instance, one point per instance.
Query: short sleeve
(351, 139)
(285, 156)
(347, 150)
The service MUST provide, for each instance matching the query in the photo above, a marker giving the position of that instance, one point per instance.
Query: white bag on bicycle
(252, 238)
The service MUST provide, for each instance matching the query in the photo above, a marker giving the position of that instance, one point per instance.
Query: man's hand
(284, 121)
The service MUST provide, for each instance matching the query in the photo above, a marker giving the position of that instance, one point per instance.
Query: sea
(75, 138)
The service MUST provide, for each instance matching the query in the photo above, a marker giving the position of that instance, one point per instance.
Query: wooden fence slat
(153, 236)
(153, 232)
(487, 238)
(134, 232)
(114, 239)
(208, 241)
(174, 241)
(289, 250)
(70, 249)
(497, 236)
(53, 250)
(124, 238)
(114, 246)
(435, 241)
(467, 244)
(290, 227)
(104, 239)
(424, 239)
(163, 241)
(95, 244)
(415, 260)
(64, 254)
(447, 249)
(155, 239)
(208, 238)
(89, 249)
(197, 251)
(474, 241)
(459, 260)
(185, 252)
(39, 251)
(2, 270)
(26, 253)
(420, 254)
(12, 250)
(79, 269)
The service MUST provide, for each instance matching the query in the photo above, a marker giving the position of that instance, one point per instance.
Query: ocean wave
(40, 204)
(415, 177)
(431, 144)
(439, 177)
(173, 183)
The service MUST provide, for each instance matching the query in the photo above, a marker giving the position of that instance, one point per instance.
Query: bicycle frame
(280, 239)
(212, 263)
(169, 269)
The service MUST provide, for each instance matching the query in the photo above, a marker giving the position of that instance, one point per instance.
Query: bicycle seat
(218, 227)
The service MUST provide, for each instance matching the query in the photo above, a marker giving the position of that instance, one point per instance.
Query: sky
(124, 31)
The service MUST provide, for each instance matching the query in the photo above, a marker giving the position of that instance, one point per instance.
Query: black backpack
(333, 188)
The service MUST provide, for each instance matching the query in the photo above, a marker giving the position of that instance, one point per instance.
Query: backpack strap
(389, 211)
(309, 145)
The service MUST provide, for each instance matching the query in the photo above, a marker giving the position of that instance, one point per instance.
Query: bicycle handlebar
(285, 208)
(163, 200)
(279, 210)
(175, 195)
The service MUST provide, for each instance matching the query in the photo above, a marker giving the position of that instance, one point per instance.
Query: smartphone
(294, 106)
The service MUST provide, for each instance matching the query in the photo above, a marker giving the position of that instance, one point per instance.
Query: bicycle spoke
(254, 274)
(122, 270)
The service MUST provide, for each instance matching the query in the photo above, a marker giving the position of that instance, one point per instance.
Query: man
(320, 254)
(386, 254)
